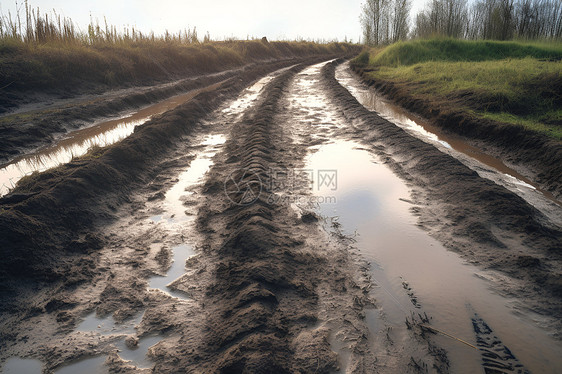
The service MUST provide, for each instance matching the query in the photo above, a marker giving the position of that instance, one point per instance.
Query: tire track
(496, 357)
(315, 122)
(49, 221)
(263, 271)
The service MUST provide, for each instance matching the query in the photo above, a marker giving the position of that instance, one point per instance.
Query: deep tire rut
(263, 276)
(270, 289)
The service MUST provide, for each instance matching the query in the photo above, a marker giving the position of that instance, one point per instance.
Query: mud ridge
(487, 224)
(24, 131)
(534, 155)
(47, 221)
(263, 268)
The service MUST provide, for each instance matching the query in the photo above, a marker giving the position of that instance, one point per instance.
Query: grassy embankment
(509, 83)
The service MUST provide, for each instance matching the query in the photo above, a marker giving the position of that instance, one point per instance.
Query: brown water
(372, 205)
(489, 166)
(77, 143)
(16, 365)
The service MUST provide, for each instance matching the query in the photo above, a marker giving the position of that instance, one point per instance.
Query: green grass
(508, 82)
(530, 123)
(452, 50)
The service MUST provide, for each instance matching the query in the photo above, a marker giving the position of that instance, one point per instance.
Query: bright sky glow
(276, 19)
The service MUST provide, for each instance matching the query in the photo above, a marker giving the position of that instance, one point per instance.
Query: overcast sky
(276, 19)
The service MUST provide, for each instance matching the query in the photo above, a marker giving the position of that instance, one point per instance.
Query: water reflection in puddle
(94, 365)
(250, 94)
(372, 204)
(499, 172)
(138, 355)
(174, 208)
(180, 254)
(173, 205)
(78, 142)
(107, 325)
(90, 365)
(16, 365)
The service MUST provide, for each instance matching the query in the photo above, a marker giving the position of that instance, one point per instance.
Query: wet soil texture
(274, 223)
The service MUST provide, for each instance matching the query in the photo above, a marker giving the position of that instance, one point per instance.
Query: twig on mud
(446, 334)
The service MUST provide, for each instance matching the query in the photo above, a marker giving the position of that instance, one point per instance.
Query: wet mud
(90, 189)
(199, 244)
(79, 142)
(487, 224)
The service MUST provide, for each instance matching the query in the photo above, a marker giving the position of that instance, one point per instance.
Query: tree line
(387, 21)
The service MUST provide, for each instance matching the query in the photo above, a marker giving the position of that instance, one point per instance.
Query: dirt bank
(475, 217)
(536, 156)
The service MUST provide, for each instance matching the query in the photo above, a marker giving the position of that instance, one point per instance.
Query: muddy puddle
(175, 208)
(77, 143)
(176, 205)
(16, 365)
(180, 254)
(415, 273)
(107, 325)
(484, 164)
(96, 364)
(250, 94)
(174, 214)
(86, 365)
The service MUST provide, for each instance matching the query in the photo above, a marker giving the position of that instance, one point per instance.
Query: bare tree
(368, 24)
(385, 21)
(523, 17)
(443, 17)
(372, 20)
(505, 19)
(400, 19)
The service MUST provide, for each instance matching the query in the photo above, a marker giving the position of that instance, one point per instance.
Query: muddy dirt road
(285, 228)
